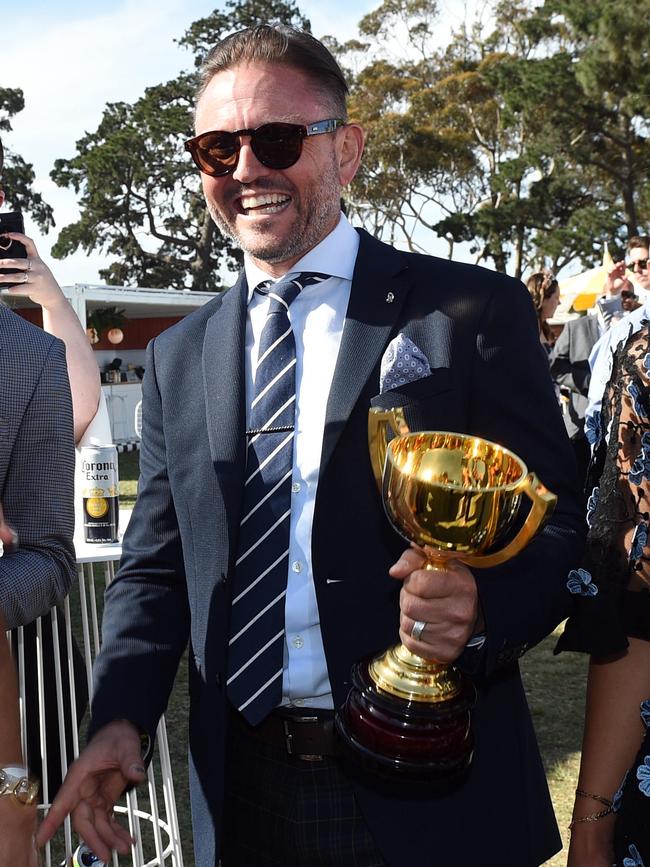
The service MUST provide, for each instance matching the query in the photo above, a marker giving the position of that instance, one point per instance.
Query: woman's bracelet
(592, 817)
(600, 798)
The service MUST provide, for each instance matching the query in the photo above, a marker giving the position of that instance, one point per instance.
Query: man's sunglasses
(276, 145)
(641, 263)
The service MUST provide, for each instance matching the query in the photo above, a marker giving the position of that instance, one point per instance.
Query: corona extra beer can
(84, 857)
(99, 491)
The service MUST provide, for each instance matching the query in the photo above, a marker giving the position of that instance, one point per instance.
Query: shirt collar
(335, 255)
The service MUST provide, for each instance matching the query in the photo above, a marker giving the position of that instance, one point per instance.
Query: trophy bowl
(457, 497)
(455, 494)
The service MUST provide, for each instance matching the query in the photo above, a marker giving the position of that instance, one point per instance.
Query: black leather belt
(307, 735)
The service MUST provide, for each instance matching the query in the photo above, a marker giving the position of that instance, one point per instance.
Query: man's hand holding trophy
(455, 497)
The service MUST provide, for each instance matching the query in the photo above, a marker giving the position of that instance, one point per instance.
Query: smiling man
(259, 534)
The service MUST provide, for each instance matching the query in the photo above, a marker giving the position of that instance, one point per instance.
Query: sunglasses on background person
(632, 266)
(276, 145)
(626, 295)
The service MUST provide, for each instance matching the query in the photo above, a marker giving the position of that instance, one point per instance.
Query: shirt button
(296, 566)
(298, 642)
(295, 487)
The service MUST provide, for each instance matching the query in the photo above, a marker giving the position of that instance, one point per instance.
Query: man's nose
(248, 166)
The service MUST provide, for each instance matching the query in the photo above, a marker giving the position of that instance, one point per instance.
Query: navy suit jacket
(490, 378)
(36, 469)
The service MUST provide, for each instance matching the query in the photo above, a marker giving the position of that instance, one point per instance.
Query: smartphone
(11, 221)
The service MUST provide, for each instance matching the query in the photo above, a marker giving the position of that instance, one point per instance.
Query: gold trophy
(456, 496)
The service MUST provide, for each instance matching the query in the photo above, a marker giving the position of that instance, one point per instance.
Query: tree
(524, 138)
(18, 175)
(140, 197)
(609, 131)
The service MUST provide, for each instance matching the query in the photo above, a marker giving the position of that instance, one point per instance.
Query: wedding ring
(25, 276)
(29, 264)
(418, 628)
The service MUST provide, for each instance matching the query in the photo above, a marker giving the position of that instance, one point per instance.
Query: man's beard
(316, 217)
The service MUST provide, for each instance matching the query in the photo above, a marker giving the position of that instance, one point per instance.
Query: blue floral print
(646, 361)
(618, 794)
(580, 583)
(645, 712)
(643, 776)
(633, 391)
(592, 504)
(635, 860)
(639, 541)
(593, 430)
(641, 467)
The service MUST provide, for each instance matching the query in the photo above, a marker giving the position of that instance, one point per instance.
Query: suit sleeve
(567, 372)
(38, 499)
(514, 404)
(145, 625)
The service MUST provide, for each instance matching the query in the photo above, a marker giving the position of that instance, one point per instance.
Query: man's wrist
(146, 745)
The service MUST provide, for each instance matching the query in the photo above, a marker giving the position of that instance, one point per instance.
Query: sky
(71, 57)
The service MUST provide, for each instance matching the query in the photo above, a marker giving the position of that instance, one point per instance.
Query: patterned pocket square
(403, 362)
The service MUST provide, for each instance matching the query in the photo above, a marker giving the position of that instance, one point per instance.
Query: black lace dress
(611, 591)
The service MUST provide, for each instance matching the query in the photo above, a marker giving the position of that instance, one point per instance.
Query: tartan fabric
(256, 646)
(282, 811)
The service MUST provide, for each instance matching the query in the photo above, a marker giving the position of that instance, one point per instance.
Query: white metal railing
(150, 811)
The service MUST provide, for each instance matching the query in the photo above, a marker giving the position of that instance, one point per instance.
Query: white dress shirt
(602, 355)
(317, 316)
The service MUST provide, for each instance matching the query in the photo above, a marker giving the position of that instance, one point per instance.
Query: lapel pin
(390, 298)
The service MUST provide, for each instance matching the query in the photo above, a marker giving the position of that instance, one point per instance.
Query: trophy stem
(404, 674)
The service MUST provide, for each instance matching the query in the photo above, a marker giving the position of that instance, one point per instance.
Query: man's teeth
(271, 202)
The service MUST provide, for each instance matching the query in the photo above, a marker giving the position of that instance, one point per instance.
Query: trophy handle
(543, 504)
(379, 420)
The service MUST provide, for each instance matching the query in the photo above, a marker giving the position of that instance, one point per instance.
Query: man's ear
(349, 149)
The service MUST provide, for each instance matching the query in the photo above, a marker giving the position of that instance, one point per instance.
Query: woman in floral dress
(611, 621)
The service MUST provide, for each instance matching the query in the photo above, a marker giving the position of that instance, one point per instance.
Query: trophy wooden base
(393, 736)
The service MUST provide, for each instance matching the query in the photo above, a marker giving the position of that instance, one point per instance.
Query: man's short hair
(285, 46)
(638, 241)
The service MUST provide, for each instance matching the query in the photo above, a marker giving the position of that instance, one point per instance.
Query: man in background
(600, 358)
(569, 359)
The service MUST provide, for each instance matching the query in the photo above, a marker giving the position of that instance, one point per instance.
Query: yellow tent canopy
(580, 292)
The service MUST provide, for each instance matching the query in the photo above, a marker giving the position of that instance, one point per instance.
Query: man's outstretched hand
(94, 783)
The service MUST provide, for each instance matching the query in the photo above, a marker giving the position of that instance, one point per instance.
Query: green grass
(129, 470)
(555, 686)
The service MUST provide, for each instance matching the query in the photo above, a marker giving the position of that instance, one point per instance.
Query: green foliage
(238, 15)
(139, 193)
(104, 318)
(526, 138)
(18, 175)
(140, 197)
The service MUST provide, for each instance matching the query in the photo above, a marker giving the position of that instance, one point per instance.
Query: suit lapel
(224, 388)
(379, 289)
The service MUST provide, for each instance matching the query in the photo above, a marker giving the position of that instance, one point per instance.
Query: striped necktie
(256, 646)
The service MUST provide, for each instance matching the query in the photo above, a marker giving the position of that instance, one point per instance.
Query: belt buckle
(288, 738)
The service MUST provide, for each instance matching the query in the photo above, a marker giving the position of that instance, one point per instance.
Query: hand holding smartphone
(12, 221)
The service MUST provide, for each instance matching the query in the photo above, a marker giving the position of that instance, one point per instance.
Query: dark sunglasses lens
(278, 145)
(641, 264)
(216, 153)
